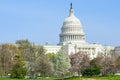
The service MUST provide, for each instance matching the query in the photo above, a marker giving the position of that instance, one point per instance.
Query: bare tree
(117, 63)
(7, 53)
(108, 65)
(79, 62)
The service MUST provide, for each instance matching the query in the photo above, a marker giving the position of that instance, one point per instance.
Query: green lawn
(96, 78)
(75, 78)
(29, 79)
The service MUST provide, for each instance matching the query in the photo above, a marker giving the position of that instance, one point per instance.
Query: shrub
(91, 71)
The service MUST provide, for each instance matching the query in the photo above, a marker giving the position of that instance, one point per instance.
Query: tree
(79, 62)
(18, 70)
(62, 63)
(104, 63)
(117, 64)
(35, 58)
(107, 63)
(44, 66)
(39, 62)
(30, 51)
(25, 47)
(23, 43)
(7, 53)
(51, 56)
(91, 71)
(94, 67)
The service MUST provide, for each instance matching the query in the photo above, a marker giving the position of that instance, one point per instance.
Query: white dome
(72, 25)
(72, 20)
(71, 31)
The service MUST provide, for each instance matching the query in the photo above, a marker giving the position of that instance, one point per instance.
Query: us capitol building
(72, 38)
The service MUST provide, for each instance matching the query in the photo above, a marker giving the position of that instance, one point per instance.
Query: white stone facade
(116, 52)
(72, 37)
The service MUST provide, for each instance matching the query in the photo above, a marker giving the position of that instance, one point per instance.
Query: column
(63, 38)
(75, 37)
(67, 37)
(70, 37)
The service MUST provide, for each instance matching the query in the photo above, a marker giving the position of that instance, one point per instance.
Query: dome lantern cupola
(71, 10)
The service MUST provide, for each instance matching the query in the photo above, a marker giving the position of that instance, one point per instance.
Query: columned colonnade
(71, 37)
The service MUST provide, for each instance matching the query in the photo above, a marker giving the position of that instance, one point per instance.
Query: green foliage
(51, 56)
(32, 55)
(91, 71)
(7, 53)
(18, 70)
(23, 42)
(37, 61)
(44, 66)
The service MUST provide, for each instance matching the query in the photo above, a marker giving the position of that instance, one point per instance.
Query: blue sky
(40, 21)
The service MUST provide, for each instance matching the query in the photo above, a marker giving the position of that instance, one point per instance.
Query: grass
(29, 79)
(73, 78)
(96, 78)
